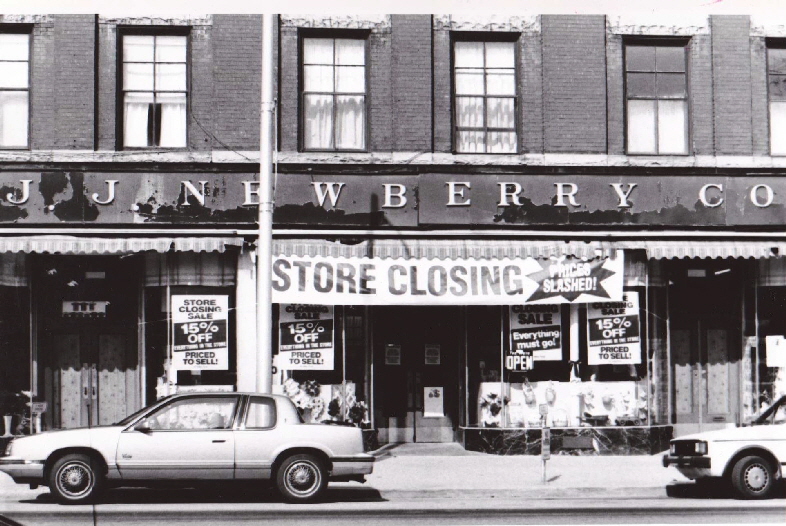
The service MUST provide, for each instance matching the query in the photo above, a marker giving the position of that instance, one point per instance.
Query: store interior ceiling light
(724, 271)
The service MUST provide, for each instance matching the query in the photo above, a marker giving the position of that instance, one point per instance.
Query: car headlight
(700, 448)
(8, 448)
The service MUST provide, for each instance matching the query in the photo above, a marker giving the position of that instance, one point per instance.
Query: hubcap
(75, 479)
(302, 477)
(756, 477)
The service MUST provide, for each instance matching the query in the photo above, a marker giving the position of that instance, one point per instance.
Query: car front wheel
(752, 477)
(301, 478)
(75, 479)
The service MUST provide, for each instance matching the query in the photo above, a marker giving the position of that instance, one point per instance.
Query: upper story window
(657, 97)
(14, 89)
(485, 97)
(334, 94)
(776, 80)
(154, 91)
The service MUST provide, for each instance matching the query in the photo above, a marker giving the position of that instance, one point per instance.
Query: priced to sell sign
(199, 328)
(306, 337)
(613, 331)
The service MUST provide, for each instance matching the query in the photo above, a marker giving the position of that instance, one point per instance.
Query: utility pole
(265, 214)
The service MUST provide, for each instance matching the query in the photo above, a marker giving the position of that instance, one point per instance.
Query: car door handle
(218, 441)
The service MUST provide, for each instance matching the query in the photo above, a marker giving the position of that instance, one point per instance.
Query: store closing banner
(326, 280)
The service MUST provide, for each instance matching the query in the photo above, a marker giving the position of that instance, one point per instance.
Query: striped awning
(76, 245)
(458, 249)
(455, 249)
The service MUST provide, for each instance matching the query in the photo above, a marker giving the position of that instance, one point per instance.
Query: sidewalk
(433, 471)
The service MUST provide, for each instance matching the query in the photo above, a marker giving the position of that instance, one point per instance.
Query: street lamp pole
(265, 214)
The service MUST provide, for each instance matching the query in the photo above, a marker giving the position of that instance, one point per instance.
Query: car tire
(301, 478)
(753, 477)
(75, 479)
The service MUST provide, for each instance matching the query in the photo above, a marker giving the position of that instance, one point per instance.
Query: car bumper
(353, 465)
(687, 462)
(23, 471)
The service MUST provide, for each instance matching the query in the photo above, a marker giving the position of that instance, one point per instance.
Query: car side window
(194, 413)
(261, 413)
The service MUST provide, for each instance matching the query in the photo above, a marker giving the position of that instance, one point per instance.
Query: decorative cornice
(686, 26)
(372, 22)
(471, 22)
(176, 20)
(25, 19)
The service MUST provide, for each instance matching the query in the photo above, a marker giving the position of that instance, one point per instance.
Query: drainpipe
(265, 214)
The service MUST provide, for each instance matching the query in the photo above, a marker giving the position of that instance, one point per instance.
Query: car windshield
(133, 416)
(775, 414)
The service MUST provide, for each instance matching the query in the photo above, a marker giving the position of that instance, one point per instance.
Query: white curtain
(13, 118)
(672, 129)
(641, 126)
(173, 120)
(319, 122)
(350, 117)
(135, 120)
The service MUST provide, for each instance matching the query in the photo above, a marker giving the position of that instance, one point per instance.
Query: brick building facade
(433, 173)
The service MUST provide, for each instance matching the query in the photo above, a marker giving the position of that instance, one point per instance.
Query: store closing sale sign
(199, 328)
(535, 335)
(613, 331)
(328, 280)
(305, 337)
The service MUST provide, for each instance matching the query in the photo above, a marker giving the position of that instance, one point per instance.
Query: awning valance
(459, 249)
(455, 249)
(54, 244)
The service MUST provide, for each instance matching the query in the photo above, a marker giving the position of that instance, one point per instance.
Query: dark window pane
(641, 85)
(670, 58)
(671, 85)
(776, 60)
(640, 58)
(777, 87)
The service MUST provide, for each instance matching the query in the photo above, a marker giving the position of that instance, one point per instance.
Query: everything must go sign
(322, 280)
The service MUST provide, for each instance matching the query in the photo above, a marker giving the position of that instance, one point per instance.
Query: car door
(256, 439)
(189, 438)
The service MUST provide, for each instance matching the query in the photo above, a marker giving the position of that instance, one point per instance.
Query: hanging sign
(537, 329)
(433, 402)
(363, 281)
(392, 354)
(613, 335)
(200, 334)
(84, 309)
(776, 350)
(306, 337)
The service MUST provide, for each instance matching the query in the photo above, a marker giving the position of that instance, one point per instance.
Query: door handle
(218, 441)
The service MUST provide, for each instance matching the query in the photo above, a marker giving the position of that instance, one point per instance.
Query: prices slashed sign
(613, 331)
(200, 332)
(536, 329)
(306, 337)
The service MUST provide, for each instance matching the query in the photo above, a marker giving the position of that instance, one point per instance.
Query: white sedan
(751, 458)
(192, 438)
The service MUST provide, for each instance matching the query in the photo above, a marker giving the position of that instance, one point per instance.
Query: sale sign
(613, 335)
(200, 334)
(306, 337)
(536, 329)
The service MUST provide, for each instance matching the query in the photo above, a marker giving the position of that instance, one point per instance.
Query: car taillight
(8, 448)
(673, 449)
(701, 448)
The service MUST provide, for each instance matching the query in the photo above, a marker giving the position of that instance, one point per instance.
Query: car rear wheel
(752, 477)
(75, 479)
(301, 478)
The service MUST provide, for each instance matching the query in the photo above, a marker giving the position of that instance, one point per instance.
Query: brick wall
(700, 92)
(288, 89)
(731, 68)
(442, 96)
(530, 93)
(760, 130)
(382, 120)
(574, 83)
(74, 77)
(411, 76)
(615, 93)
(107, 86)
(42, 87)
(235, 87)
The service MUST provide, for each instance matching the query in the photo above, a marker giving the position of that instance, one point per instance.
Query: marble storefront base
(633, 440)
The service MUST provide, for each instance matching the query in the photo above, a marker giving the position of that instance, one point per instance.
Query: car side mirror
(143, 427)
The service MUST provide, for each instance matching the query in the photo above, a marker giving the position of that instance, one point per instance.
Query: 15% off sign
(200, 332)
(613, 331)
(306, 337)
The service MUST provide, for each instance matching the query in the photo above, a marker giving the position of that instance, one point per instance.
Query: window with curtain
(14, 89)
(776, 81)
(484, 97)
(334, 94)
(154, 91)
(657, 99)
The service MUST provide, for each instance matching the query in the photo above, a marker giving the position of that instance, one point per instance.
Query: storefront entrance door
(706, 320)
(418, 351)
(86, 339)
